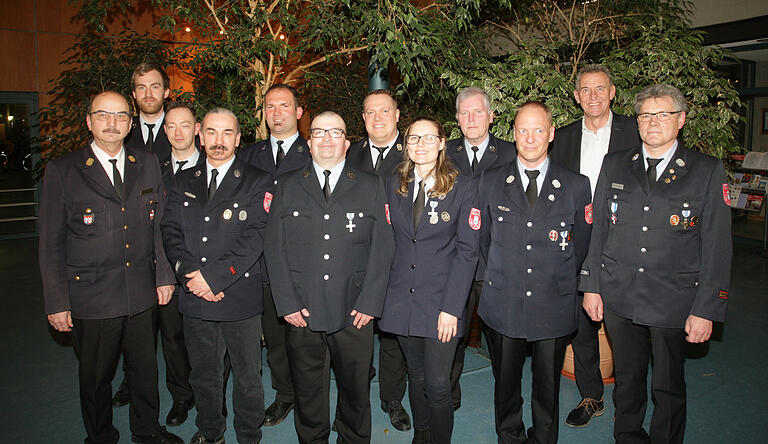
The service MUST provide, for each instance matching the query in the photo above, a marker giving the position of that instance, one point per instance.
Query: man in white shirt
(581, 147)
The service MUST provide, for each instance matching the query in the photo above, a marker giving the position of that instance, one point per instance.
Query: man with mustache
(213, 233)
(104, 268)
(151, 86)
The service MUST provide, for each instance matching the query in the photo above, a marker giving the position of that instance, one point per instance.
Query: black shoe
(161, 436)
(122, 397)
(397, 415)
(583, 413)
(178, 413)
(421, 437)
(276, 413)
(198, 438)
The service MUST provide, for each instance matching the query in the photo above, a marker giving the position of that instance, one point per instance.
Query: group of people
(318, 244)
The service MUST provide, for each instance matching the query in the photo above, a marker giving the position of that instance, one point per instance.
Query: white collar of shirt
(594, 147)
(429, 182)
(156, 129)
(543, 167)
(665, 158)
(191, 161)
(103, 158)
(480, 149)
(333, 178)
(222, 170)
(287, 144)
(375, 152)
(607, 125)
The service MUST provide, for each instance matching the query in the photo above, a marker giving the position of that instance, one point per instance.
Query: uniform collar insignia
(89, 162)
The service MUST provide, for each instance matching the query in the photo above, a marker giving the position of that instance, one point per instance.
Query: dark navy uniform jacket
(329, 257)
(496, 153)
(260, 155)
(566, 148)
(435, 265)
(533, 257)
(657, 257)
(359, 156)
(169, 179)
(97, 252)
(223, 238)
(160, 145)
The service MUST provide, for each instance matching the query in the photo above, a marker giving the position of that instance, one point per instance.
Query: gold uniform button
(77, 278)
(128, 263)
(125, 227)
(127, 245)
(122, 209)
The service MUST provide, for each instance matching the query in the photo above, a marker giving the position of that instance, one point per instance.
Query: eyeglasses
(103, 116)
(429, 139)
(661, 116)
(319, 133)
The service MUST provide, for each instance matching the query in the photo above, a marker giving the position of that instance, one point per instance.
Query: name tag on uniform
(617, 186)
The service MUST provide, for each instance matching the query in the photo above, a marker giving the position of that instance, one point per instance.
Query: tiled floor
(727, 385)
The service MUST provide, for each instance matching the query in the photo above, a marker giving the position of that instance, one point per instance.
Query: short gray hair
(663, 90)
(592, 68)
(220, 110)
(470, 91)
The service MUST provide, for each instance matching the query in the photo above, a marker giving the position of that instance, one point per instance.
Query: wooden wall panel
(18, 48)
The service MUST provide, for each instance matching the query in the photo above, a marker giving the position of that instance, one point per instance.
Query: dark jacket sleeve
(716, 250)
(370, 301)
(173, 238)
(464, 263)
(589, 276)
(53, 240)
(286, 298)
(163, 271)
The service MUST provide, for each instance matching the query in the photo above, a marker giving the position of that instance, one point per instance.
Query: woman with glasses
(433, 213)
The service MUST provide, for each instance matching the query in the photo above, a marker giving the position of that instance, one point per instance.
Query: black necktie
(380, 159)
(116, 179)
(179, 165)
(280, 153)
(651, 171)
(532, 192)
(327, 185)
(151, 137)
(418, 205)
(474, 160)
(212, 184)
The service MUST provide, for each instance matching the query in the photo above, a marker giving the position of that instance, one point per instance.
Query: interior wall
(712, 12)
(36, 34)
(760, 140)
